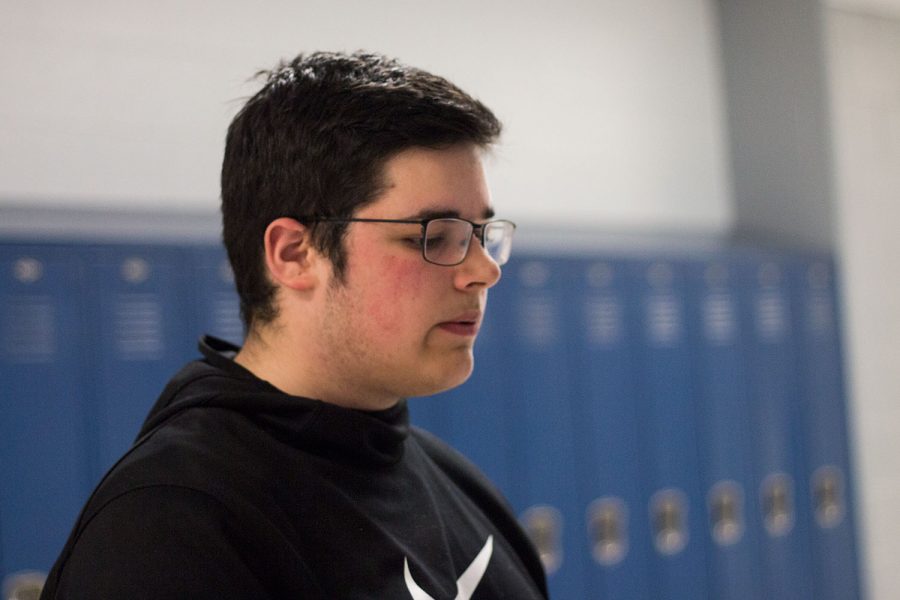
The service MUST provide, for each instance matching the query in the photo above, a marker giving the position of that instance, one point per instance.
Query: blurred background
(771, 121)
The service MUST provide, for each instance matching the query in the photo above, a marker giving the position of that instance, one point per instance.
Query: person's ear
(290, 257)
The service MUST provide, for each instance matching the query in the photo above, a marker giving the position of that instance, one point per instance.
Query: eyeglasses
(445, 241)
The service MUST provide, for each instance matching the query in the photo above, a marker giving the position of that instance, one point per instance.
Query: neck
(281, 361)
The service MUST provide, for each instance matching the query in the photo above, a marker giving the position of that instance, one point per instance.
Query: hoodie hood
(217, 382)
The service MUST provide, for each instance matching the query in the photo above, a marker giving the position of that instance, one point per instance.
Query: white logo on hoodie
(467, 582)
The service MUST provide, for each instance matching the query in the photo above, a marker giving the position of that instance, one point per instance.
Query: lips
(465, 324)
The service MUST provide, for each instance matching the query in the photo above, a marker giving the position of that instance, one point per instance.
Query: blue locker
(615, 535)
(780, 518)
(544, 491)
(431, 414)
(723, 412)
(43, 451)
(827, 475)
(216, 304)
(143, 335)
(670, 460)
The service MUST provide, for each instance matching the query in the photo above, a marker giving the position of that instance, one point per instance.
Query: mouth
(466, 324)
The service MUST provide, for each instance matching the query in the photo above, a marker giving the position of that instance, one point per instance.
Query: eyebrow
(432, 213)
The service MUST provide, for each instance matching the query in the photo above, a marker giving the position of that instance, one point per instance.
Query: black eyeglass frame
(477, 231)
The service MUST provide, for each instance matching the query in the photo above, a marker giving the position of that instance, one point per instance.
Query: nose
(478, 270)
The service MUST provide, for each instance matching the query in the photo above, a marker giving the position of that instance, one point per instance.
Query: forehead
(425, 182)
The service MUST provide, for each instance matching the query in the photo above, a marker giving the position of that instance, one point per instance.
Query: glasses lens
(447, 241)
(498, 240)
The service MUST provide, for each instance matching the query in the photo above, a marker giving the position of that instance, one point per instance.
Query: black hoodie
(234, 489)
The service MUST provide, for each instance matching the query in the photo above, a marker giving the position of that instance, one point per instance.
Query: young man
(352, 189)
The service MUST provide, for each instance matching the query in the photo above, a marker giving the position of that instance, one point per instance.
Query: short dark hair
(313, 142)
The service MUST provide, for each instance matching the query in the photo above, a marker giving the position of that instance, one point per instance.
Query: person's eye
(436, 241)
(415, 242)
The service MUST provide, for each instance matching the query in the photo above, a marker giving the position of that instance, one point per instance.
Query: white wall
(865, 61)
(612, 109)
(873, 8)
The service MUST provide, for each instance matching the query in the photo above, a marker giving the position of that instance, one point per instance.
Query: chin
(447, 376)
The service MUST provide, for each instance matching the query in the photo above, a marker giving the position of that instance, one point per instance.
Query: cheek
(397, 293)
